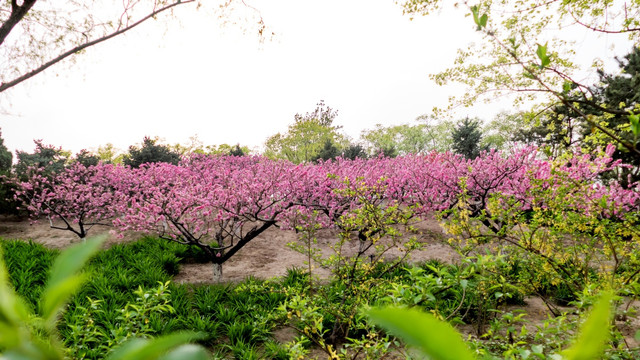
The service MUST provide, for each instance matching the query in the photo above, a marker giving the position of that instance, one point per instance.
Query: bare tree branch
(41, 68)
(17, 14)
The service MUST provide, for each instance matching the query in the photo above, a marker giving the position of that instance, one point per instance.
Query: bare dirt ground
(265, 257)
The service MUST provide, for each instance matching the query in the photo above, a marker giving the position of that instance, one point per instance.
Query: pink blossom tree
(80, 197)
(353, 197)
(218, 204)
(555, 214)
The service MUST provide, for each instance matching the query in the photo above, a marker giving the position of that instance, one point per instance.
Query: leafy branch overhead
(527, 56)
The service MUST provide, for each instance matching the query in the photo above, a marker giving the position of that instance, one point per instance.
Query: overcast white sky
(362, 57)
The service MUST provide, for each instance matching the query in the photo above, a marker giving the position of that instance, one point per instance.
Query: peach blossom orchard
(219, 204)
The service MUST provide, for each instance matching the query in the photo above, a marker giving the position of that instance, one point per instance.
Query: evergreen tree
(620, 91)
(7, 187)
(466, 138)
(354, 151)
(150, 152)
(87, 159)
(52, 159)
(387, 151)
(236, 151)
(6, 158)
(329, 151)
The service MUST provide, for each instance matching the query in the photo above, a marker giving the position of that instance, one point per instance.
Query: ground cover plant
(523, 226)
(33, 335)
(128, 295)
(238, 319)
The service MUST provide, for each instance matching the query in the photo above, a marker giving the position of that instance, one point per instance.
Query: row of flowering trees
(219, 204)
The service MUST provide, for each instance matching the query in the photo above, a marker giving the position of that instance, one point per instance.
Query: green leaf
(63, 281)
(483, 20)
(433, 337)
(33, 350)
(417, 299)
(13, 310)
(474, 12)
(542, 51)
(464, 283)
(594, 332)
(537, 349)
(542, 55)
(524, 353)
(129, 348)
(189, 351)
(634, 121)
(54, 298)
(154, 349)
(73, 259)
(10, 335)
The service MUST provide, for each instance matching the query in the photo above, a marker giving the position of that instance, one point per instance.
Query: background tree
(466, 138)
(380, 138)
(354, 151)
(194, 146)
(150, 152)
(502, 132)
(6, 157)
(238, 150)
(47, 157)
(329, 151)
(86, 158)
(614, 91)
(438, 132)
(549, 132)
(108, 154)
(226, 149)
(562, 128)
(389, 151)
(306, 137)
(397, 140)
(7, 187)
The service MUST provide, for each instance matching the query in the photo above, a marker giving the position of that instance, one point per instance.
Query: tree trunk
(362, 246)
(217, 273)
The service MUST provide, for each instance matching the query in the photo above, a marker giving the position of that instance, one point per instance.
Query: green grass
(28, 264)
(236, 321)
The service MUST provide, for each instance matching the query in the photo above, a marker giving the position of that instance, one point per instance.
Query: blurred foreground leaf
(435, 338)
